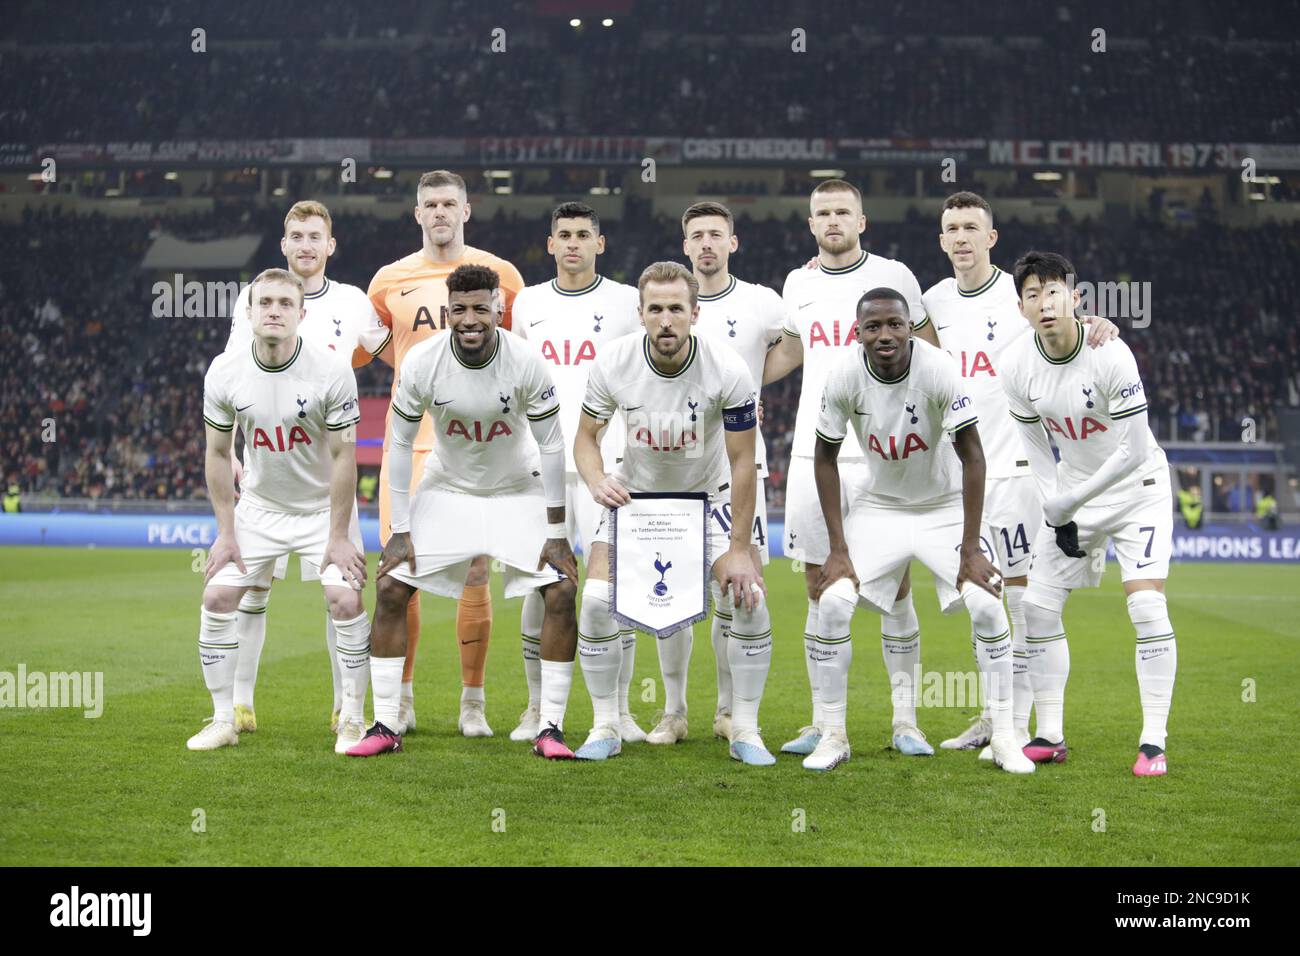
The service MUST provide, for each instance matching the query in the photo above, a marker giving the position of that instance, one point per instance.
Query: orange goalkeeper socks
(473, 631)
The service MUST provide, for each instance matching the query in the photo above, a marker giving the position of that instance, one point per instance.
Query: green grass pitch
(122, 789)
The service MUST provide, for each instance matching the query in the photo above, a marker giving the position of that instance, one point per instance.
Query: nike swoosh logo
(1143, 564)
(476, 641)
(632, 408)
(940, 328)
(863, 414)
(806, 304)
(208, 663)
(249, 405)
(447, 402)
(406, 291)
(1012, 564)
(1034, 400)
(353, 667)
(749, 653)
(533, 325)
(998, 657)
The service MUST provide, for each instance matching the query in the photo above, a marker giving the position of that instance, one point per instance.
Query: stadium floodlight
(607, 22)
(382, 173)
(1258, 197)
(503, 190)
(575, 23)
(171, 175)
(279, 191)
(827, 173)
(1047, 177)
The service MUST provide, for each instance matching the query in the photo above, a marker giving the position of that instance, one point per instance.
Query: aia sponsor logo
(912, 443)
(297, 435)
(474, 431)
(976, 363)
(564, 353)
(1075, 432)
(841, 333)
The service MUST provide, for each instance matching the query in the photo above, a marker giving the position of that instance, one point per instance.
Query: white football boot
(473, 721)
(530, 722)
(976, 735)
(1007, 753)
(670, 729)
(831, 751)
(217, 733)
(630, 729)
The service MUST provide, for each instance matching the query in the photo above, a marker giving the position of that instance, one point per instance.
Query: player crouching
(480, 495)
(297, 405)
(923, 501)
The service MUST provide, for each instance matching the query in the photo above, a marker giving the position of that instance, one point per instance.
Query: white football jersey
(975, 328)
(483, 443)
(674, 423)
(821, 311)
(284, 413)
(1078, 399)
(568, 329)
(903, 424)
(339, 317)
(747, 318)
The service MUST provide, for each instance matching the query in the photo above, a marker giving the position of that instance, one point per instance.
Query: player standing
(976, 315)
(747, 318)
(481, 494)
(410, 296)
(691, 417)
(1112, 484)
(568, 321)
(820, 312)
(338, 317)
(903, 398)
(298, 406)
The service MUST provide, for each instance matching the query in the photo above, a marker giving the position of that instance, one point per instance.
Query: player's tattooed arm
(556, 551)
(221, 492)
(826, 472)
(740, 575)
(1100, 331)
(340, 550)
(607, 490)
(398, 550)
(975, 567)
(782, 359)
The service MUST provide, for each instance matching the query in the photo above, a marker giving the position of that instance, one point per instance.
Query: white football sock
(468, 694)
(984, 691)
(1048, 657)
(601, 651)
(353, 650)
(557, 677)
(810, 632)
(218, 655)
(719, 629)
(900, 646)
(626, 668)
(251, 630)
(1157, 662)
(386, 687)
(674, 662)
(530, 632)
(749, 655)
(993, 653)
(835, 652)
(336, 670)
(1022, 694)
(408, 690)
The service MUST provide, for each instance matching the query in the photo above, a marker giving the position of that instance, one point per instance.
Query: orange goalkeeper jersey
(410, 296)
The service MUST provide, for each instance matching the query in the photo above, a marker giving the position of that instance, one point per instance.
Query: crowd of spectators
(99, 397)
(416, 70)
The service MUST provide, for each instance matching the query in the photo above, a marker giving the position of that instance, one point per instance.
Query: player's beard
(681, 342)
(709, 268)
(836, 245)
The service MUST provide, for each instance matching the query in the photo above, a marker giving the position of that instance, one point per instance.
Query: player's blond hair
(304, 210)
(668, 272)
(837, 186)
(441, 177)
(276, 275)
